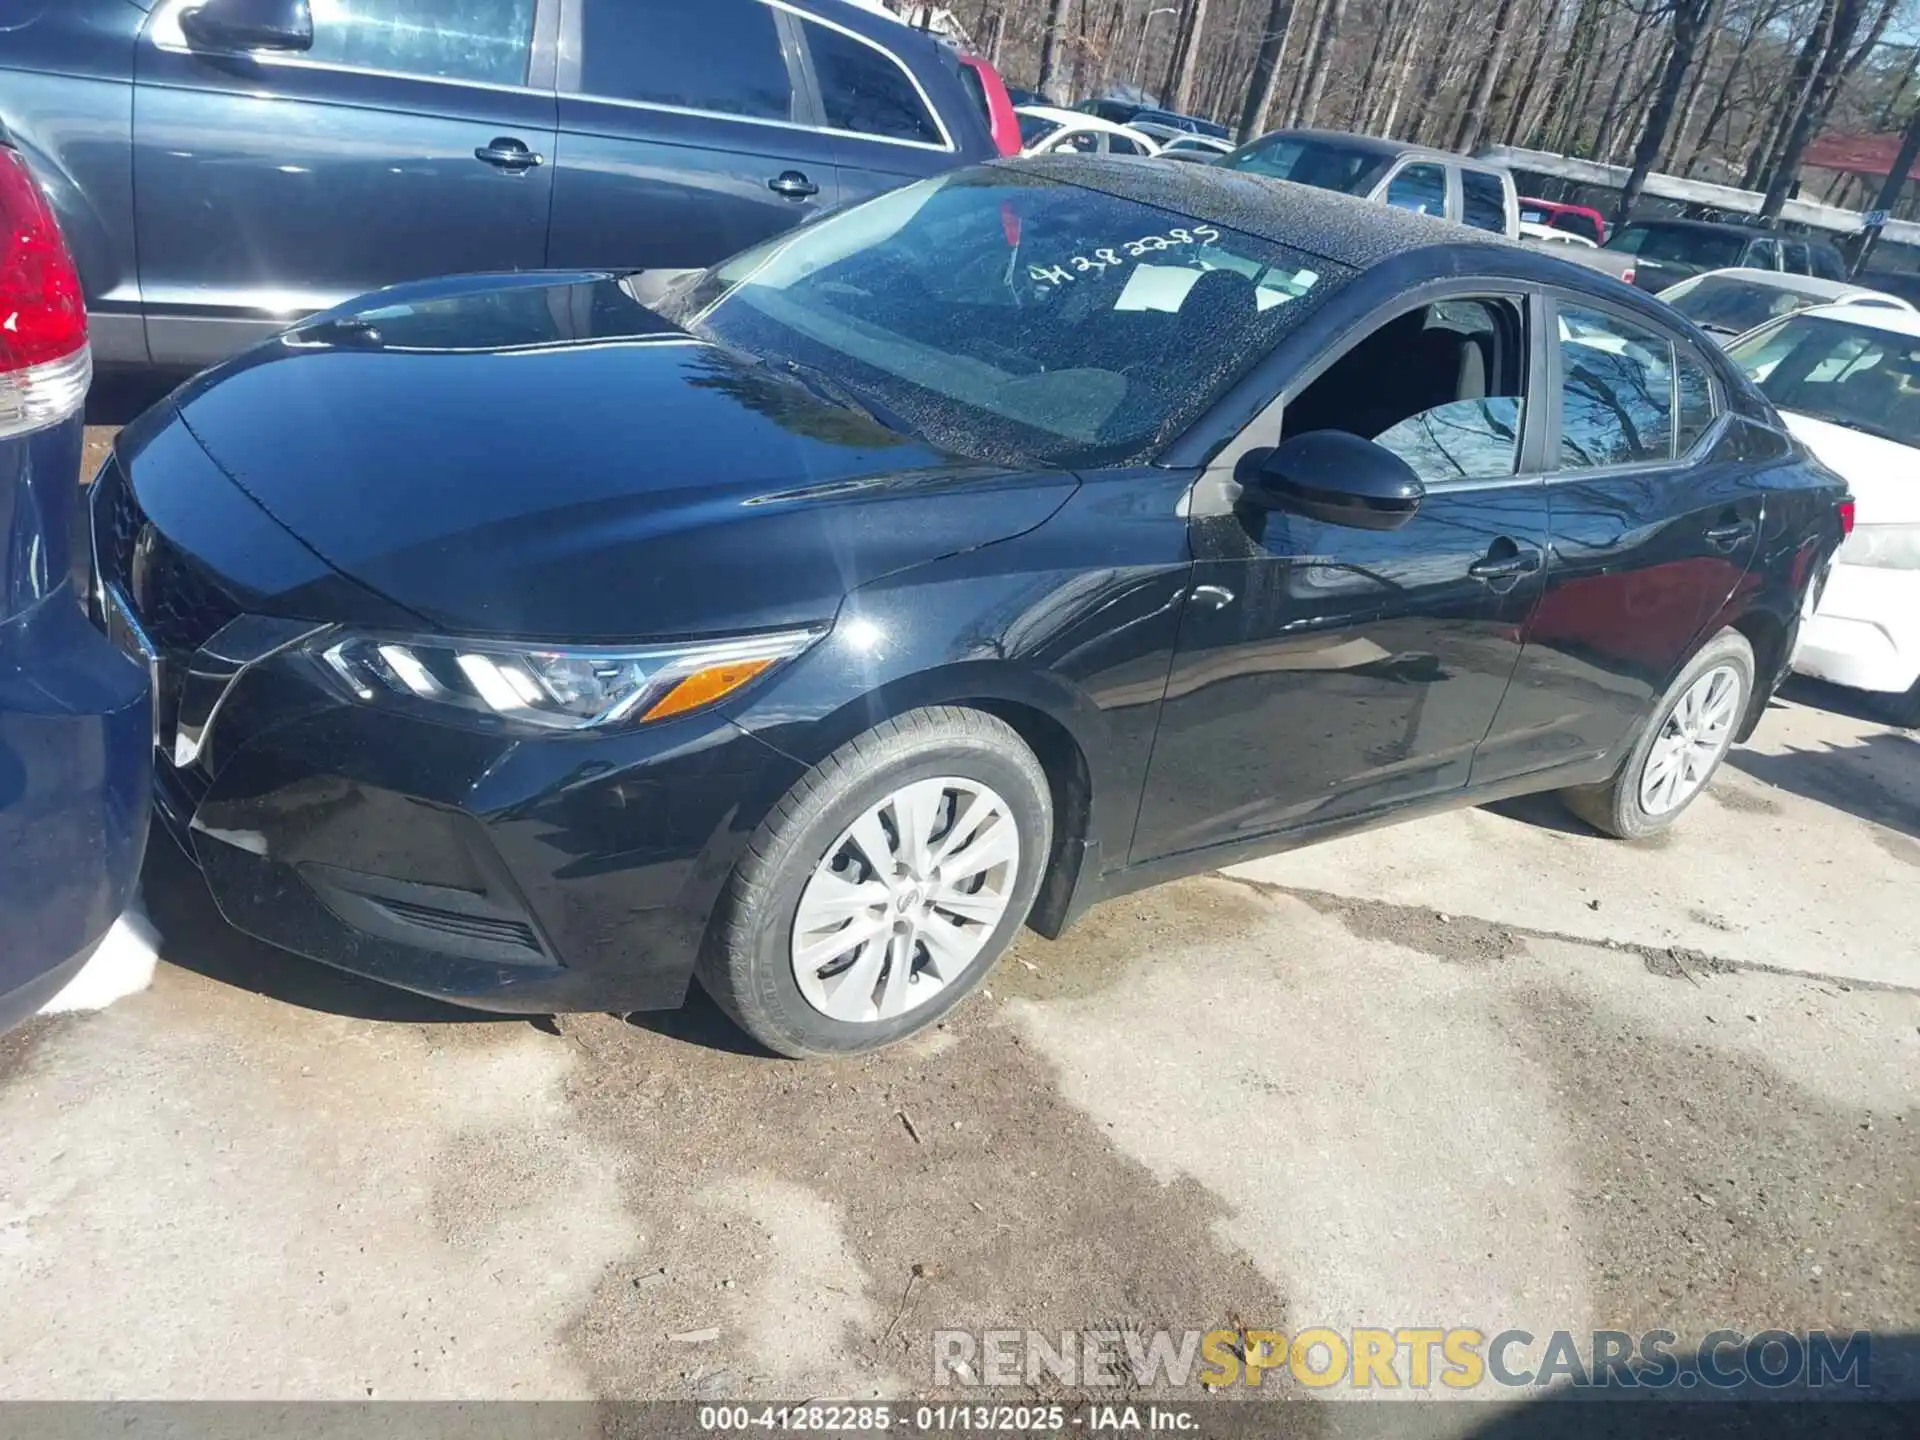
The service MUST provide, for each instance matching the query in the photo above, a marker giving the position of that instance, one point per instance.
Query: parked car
(223, 166)
(75, 713)
(1200, 149)
(990, 94)
(1165, 122)
(1407, 177)
(1017, 538)
(1665, 251)
(1581, 220)
(1045, 130)
(1846, 380)
(1171, 123)
(1551, 238)
(1726, 303)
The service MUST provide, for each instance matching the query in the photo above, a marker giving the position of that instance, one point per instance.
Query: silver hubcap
(1692, 739)
(905, 900)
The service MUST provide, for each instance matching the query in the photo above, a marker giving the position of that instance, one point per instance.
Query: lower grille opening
(470, 924)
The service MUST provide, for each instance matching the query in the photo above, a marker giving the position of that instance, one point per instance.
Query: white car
(1846, 379)
(1045, 130)
(1550, 236)
(1725, 303)
(1202, 148)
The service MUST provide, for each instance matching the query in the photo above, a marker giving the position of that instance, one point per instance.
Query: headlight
(558, 687)
(1887, 547)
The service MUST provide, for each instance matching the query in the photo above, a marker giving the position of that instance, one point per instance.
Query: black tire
(746, 963)
(1903, 710)
(1614, 808)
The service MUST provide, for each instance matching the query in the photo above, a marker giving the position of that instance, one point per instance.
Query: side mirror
(1339, 478)
(249, 25)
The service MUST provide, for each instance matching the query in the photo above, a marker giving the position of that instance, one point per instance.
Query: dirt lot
(1486, 1069)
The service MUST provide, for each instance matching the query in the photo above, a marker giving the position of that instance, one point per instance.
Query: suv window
(1796, 255)
(1763, 255)
(1483, 201)
(1421, 189)
(721, 56)
(480, 40)
(1442, 386)
(1121, 145)
(1616, 391)
(864, 90)
(1827, 263)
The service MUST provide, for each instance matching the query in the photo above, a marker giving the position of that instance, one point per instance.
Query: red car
(991, 93)
(1581, 220)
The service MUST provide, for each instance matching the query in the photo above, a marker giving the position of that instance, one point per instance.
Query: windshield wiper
(837, 392)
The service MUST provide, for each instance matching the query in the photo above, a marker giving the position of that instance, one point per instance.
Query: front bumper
(523, 875)
(1865, 632)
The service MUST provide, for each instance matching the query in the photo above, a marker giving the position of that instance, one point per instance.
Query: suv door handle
(506, 153)
(1729, 537)
(793, 185)
(1506, 561)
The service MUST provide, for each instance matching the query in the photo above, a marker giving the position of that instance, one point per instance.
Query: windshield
(1709, 249)
(1010, 318)
(1035, 128)
(1732, 306)
(1324, 164)
(1851, 375)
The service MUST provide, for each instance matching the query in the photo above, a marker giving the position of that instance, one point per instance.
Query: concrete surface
(1403, 1079)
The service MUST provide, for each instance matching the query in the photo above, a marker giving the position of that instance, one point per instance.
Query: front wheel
(883, 886)
(1677, 753)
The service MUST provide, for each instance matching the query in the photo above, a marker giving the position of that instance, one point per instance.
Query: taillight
(1626, 275)
(1846, 517)
(44, 362)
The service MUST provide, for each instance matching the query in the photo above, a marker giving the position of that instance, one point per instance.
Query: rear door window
(1420, 188)
(721, 56)
(1764, 255)
(1616, 391)
(864, 90)
(1483, 201)
(487, 41)
(1693, 400)
(1797, 258)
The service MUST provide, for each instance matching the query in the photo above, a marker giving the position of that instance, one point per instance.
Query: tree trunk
(1723, 99)
(1318, 55)
(1813, 114)
(1763, 161)
(1366, 95)
(1603, 137)
(1689, 17)
(1696, 84)
(1492, 63)
(1408, 48)
(1515, 131)
(1051, 38)
(1266, 70)
(1179, 86)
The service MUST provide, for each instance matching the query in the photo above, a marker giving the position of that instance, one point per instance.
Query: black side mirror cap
(249, 25)
(1336, 477)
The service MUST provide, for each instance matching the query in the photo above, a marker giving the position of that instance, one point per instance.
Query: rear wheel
(1677, 753)
(884, 885)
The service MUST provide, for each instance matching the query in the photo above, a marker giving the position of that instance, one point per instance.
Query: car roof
(1885, 318)
(1343, 228)
(1079, 119)
(1701, 227)
(1836, 290)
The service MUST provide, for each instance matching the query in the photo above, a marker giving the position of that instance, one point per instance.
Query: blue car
(222, 167)
(76, 717)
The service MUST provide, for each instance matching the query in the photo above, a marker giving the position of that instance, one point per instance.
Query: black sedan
(1009, 541)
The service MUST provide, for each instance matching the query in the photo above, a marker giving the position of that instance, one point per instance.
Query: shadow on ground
(1877, 778)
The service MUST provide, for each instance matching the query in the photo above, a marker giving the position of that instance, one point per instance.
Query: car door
(1655, 520)
(886, 129)
(1322, 671)
(685, 134)
(411, 140)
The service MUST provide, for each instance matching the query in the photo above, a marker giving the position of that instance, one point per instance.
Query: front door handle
(1506, 561)
(1730, 537)
(793, 185)
(506, 153)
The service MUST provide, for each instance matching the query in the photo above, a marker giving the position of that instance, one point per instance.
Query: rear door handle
(506, 153)
(793, 185)
(1730, 537)
(1511, 563)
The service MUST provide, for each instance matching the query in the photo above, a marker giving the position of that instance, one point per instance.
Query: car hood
(1883, 475)
(542, 456)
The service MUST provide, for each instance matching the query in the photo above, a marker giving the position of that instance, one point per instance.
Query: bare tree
(1315, 69)
(1492, 65)
(1266, 70)
(1050, 47)
(1689, 19)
